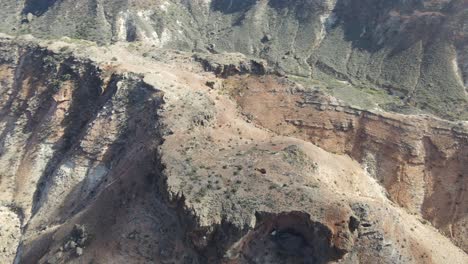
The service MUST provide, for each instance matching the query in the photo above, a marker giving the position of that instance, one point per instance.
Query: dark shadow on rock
(303, 10)
(87, 98)
(132, 174)
(232, 6)
(360, 18)
(38, 7)
(30, 66)
(287, 237)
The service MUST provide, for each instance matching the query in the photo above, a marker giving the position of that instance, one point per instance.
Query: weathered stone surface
(418, 159)
(136, 160)
(415, 50)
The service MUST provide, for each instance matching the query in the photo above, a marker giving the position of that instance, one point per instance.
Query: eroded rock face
(421, 161)
(119, 157)
(292, 238)
(414, 50)
(79, 147)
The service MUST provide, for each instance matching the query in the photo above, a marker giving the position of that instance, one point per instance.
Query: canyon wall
(110, 155)
(127, 148)
(413, 50)
(78, 161)
(420, 160)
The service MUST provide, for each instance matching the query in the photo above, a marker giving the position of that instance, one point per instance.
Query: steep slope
(420, 160)
(413, 50)
(79, 147)
(106, 167)
(223, 131)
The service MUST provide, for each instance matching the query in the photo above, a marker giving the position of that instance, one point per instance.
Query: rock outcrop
(413, 50)
(420, 160)
(78, 147)
(123, 155)
(176, 131)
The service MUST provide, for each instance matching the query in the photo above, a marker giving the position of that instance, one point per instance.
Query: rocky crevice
(38, 8)
(290, 237)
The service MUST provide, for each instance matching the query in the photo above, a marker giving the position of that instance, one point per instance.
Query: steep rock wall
(102, 169)
(79, 169)
(414, 50)
(421, 161)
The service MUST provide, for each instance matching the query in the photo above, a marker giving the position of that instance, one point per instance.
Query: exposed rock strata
(415, 50)
(137, 160)
(420, 160)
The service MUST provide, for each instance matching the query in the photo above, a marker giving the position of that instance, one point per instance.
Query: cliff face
(100, 165)
(222, 131)
(412, 50)
(421, 161)
(78, 146)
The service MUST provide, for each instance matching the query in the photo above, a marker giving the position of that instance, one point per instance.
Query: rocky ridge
(119, 155)
(414, 51)
(420, 160)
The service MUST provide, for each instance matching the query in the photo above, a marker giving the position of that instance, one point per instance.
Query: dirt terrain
(222, 131)
(127, 154)
(420, 160)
